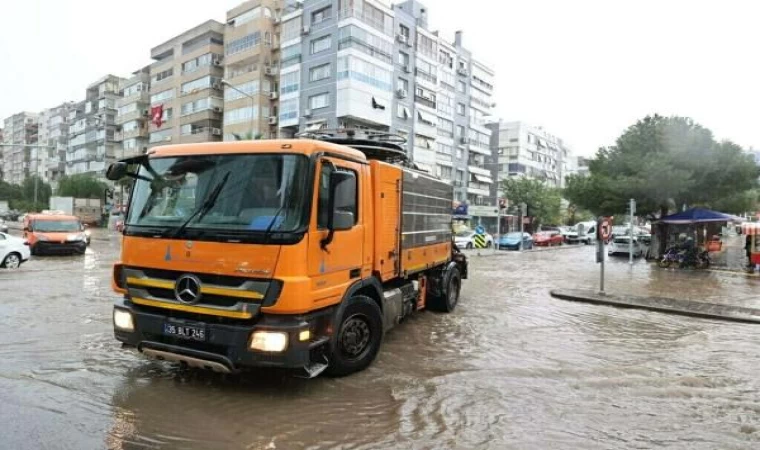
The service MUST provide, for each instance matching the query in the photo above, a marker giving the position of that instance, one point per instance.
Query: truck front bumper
(226, 346)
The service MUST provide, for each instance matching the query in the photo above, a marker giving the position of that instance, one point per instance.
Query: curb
(662, 304)
(490, 251)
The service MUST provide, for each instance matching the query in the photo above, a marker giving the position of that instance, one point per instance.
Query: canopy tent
(696, 215)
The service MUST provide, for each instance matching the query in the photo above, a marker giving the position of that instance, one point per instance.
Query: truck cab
(281, 253)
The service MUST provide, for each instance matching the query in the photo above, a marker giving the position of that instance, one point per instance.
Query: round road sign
(480, 230)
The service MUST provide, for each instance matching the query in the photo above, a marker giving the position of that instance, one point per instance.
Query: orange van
(54, 234)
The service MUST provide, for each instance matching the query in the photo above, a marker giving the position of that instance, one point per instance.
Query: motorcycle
(671, 256)
(685, 259)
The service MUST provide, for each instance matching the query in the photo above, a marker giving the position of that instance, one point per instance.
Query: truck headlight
(123, 320)
(269, 341)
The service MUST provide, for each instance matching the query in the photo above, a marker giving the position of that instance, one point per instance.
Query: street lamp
(229, 85)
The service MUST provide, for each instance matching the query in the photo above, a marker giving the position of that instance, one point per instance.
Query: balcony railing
(366, 18)
(424, 101)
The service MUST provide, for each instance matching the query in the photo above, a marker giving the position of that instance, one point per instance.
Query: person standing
(748, 251)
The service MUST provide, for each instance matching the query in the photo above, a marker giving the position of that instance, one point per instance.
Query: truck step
(314, 369)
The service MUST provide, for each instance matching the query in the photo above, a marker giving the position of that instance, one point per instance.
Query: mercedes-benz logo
(188, 289)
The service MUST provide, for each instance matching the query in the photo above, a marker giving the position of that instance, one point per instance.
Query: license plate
(182, 331)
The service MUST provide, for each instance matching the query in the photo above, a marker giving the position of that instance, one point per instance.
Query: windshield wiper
(267, 234)
(204, 208)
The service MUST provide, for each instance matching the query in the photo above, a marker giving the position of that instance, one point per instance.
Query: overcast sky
(584, 69)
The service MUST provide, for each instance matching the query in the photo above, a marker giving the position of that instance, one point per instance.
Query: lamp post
(229, 85)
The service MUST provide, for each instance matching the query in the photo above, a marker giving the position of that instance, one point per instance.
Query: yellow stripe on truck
(192, 309)
(161, 284)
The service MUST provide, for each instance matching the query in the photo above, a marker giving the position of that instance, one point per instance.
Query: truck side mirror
(117, 171)
(345, 220)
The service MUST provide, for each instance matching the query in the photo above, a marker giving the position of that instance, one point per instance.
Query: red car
(547, 238)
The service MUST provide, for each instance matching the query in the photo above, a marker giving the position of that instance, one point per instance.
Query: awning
(424, 167)
(541, 142)
(377, 104)
(697, 215)
(407, 114)
(427, 118)
(315, 126)
(482, 178)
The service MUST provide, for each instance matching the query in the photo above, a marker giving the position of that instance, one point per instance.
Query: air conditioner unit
(269, 70)
(273, 120)
(462, 140)
(305, 30)
(217, 62)
(216, 131)
(273, 95)
(217, 109)
(307, 113)
(462, 71)
(276, 19)
(217, 86)
(406, 69)
(401, 93)
(402, 38)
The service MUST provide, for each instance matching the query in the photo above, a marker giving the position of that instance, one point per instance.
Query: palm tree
(249, 136)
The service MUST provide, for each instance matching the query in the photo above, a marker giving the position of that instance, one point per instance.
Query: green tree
(81, 186)
(544, 202)
(43, 192)
(664, 163)
(248, 136)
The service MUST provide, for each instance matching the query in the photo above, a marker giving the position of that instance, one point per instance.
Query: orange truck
(297, 253)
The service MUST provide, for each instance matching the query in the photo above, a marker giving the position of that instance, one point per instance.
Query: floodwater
(511, 368)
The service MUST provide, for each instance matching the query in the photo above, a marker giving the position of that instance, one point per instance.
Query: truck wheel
(447, 301)
(359, 334)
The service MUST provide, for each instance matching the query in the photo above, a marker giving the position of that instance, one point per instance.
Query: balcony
(205, 134)
(130, 116)
(478, 148)
(364, 16)
(425, 101)
(201, 115)
(478, 170)
(141, 97)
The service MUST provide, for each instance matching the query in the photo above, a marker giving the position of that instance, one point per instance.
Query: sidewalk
(661, 304)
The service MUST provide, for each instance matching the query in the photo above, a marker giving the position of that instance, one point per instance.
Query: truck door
(335, 266)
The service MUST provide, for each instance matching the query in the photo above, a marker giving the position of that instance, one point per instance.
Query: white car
(622, 245)
(465, 240)
(13, 251)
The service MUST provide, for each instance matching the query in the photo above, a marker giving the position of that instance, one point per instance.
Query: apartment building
(251, 55)
(365, 64)
(530, 151)
(186, 92)
(92, 127)
(49, 162)
(19, 130)
(133, 114)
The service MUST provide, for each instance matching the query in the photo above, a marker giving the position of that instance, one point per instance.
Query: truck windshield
(169, 190)
(56, 226)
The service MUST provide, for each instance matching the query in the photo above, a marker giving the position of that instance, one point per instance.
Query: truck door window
(345, 196)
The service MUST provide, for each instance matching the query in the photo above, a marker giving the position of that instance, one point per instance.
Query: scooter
(672, 256)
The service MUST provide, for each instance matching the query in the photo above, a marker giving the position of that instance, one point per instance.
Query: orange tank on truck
(298, 253)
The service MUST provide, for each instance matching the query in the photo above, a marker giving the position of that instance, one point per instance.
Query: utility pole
(632, 209)
(523, 211)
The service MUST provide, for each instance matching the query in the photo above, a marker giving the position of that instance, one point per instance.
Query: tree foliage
(665, 163)
(81, 186)
(544, 202)
(21, 197)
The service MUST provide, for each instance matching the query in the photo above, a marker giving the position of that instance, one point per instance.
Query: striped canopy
(751, 228)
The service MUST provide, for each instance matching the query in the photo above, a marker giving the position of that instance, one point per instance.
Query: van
(55, 233)
(582, 232)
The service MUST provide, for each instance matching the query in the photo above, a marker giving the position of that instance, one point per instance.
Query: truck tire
(449, 297)
(357, 339)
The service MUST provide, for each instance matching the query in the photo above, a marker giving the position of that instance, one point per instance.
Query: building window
(319, 72)
(444, 148)
(242, 44)
(289, 109)
(445, 172)
(319, 101)
(160, 76)
(201, 61)
(291, 29)
(403, 84)
(250, 88)
(461, 86)
(245, 17)
(402, 112)
(445, 127)
(461, 109)
(161, 96)
(247, 114)
(200, 83)
(289, 82)
(161, 136)
(404, 31)
(321, 44)
(427, 46)
(365, 72)
(461, 132)
(354, 37)
(403, 59)
(321, 15)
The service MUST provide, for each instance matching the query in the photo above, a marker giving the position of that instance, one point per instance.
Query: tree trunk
(662, 234)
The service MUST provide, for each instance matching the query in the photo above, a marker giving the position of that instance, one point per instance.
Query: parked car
(547, 238)
(3, 226)
(464, 239)
(621, 245)
(511, 241)
(14, 251)
(565, 231)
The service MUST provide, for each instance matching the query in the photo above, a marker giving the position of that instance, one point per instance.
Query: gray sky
(584, 70)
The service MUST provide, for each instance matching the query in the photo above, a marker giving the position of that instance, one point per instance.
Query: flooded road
(510, 368)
